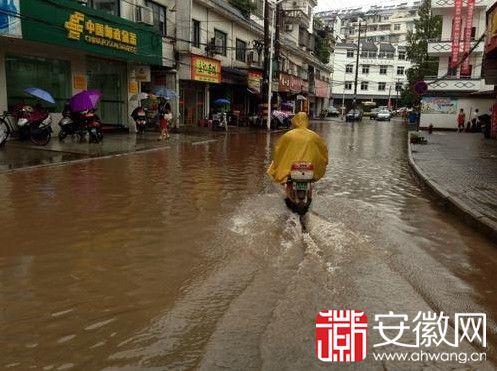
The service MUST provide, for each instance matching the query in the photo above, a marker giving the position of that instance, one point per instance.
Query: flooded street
(186, 257)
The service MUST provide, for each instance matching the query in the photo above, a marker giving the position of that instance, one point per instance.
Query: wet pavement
(465, 166)
(186, 258)
(15, 155)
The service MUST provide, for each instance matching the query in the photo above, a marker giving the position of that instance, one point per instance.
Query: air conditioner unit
(145, 15)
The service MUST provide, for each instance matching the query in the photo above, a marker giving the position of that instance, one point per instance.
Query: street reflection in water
(187, 258)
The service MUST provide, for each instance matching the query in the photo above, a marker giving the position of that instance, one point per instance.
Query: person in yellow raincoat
(298, 144)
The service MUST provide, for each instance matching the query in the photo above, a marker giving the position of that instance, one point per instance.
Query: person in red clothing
(165, 118)
(461, 118)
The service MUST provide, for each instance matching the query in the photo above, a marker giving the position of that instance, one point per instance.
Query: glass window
(108, 6)
(383, 70)
(396, 27)
(241, 50)
(220, 42)
(159, 17)
(52, 75)
(382, 86)
(398, 86)
(350, 54)
(349, 68)
(402, 56)
(364, 85)
(195, 33)
(348, 85)
(400, 70)
(365, 68)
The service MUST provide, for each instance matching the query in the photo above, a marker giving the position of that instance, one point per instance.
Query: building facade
(64, 46)
(457, 85)
(381, 77)
(203, 49)
(382, 54)
(221, 56)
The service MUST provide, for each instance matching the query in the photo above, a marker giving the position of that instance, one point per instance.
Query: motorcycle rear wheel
(4, 132)
(62, 135)
(41, 140)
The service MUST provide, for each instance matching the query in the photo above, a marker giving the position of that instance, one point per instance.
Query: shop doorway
(109, 77)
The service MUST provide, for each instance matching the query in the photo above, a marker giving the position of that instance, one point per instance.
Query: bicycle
(6, 127)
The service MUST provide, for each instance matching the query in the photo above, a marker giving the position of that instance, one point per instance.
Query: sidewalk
(16, 155)
(462, 170)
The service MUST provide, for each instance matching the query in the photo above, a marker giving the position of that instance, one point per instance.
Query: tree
(427, 27)
(323, 41)
(244, 6)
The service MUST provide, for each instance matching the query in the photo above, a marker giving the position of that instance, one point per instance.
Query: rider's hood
(300, 121)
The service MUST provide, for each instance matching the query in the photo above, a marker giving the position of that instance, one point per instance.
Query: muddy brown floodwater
(187, 258)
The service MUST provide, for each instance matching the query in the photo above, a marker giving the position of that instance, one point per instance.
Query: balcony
(454, 85)
(444, 47)
(297, 16)
(449, 4)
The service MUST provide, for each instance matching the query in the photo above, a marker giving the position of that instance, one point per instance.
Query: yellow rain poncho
(299, 144)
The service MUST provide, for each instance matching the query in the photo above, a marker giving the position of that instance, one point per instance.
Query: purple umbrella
(87, 99)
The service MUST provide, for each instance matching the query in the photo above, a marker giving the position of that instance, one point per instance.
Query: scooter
(93, 126)
(71, 125)
(299, 187)
(219, 121)
(34, 124)
(140, 117)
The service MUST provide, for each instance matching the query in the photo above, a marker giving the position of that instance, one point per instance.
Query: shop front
(322, 93)
(66, 48)
(294, 91)
(194, 88)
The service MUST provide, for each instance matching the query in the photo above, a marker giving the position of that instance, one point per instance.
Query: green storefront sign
(66, 23)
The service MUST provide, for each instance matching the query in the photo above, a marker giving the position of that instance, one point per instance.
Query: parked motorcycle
(219, 121)
(93, 126)
(299, 187)
(34, 124)
(71, 126)
(140, 117)
(79, 124)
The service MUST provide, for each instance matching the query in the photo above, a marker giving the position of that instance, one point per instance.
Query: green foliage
(323, 42)
(244, 6)
(427, 27)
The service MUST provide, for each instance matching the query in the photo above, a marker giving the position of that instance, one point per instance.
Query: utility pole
(397, 90)
(389, 103)
(354, 102)
(270, 56)
(267, 40)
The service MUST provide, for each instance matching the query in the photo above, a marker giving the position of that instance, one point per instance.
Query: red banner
(456, 33)
(465, 70)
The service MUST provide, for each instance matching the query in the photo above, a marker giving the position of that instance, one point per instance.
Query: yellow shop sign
(93, 32)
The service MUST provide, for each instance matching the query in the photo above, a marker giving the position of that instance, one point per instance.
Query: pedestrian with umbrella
(223, 103)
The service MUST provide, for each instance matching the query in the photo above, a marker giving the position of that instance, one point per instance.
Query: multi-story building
(382, 54)
(66, 46)
(221, 56)
(204, 49)
(457, 86)
(381, 76)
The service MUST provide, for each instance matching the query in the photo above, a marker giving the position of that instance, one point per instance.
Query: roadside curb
(469, 215)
